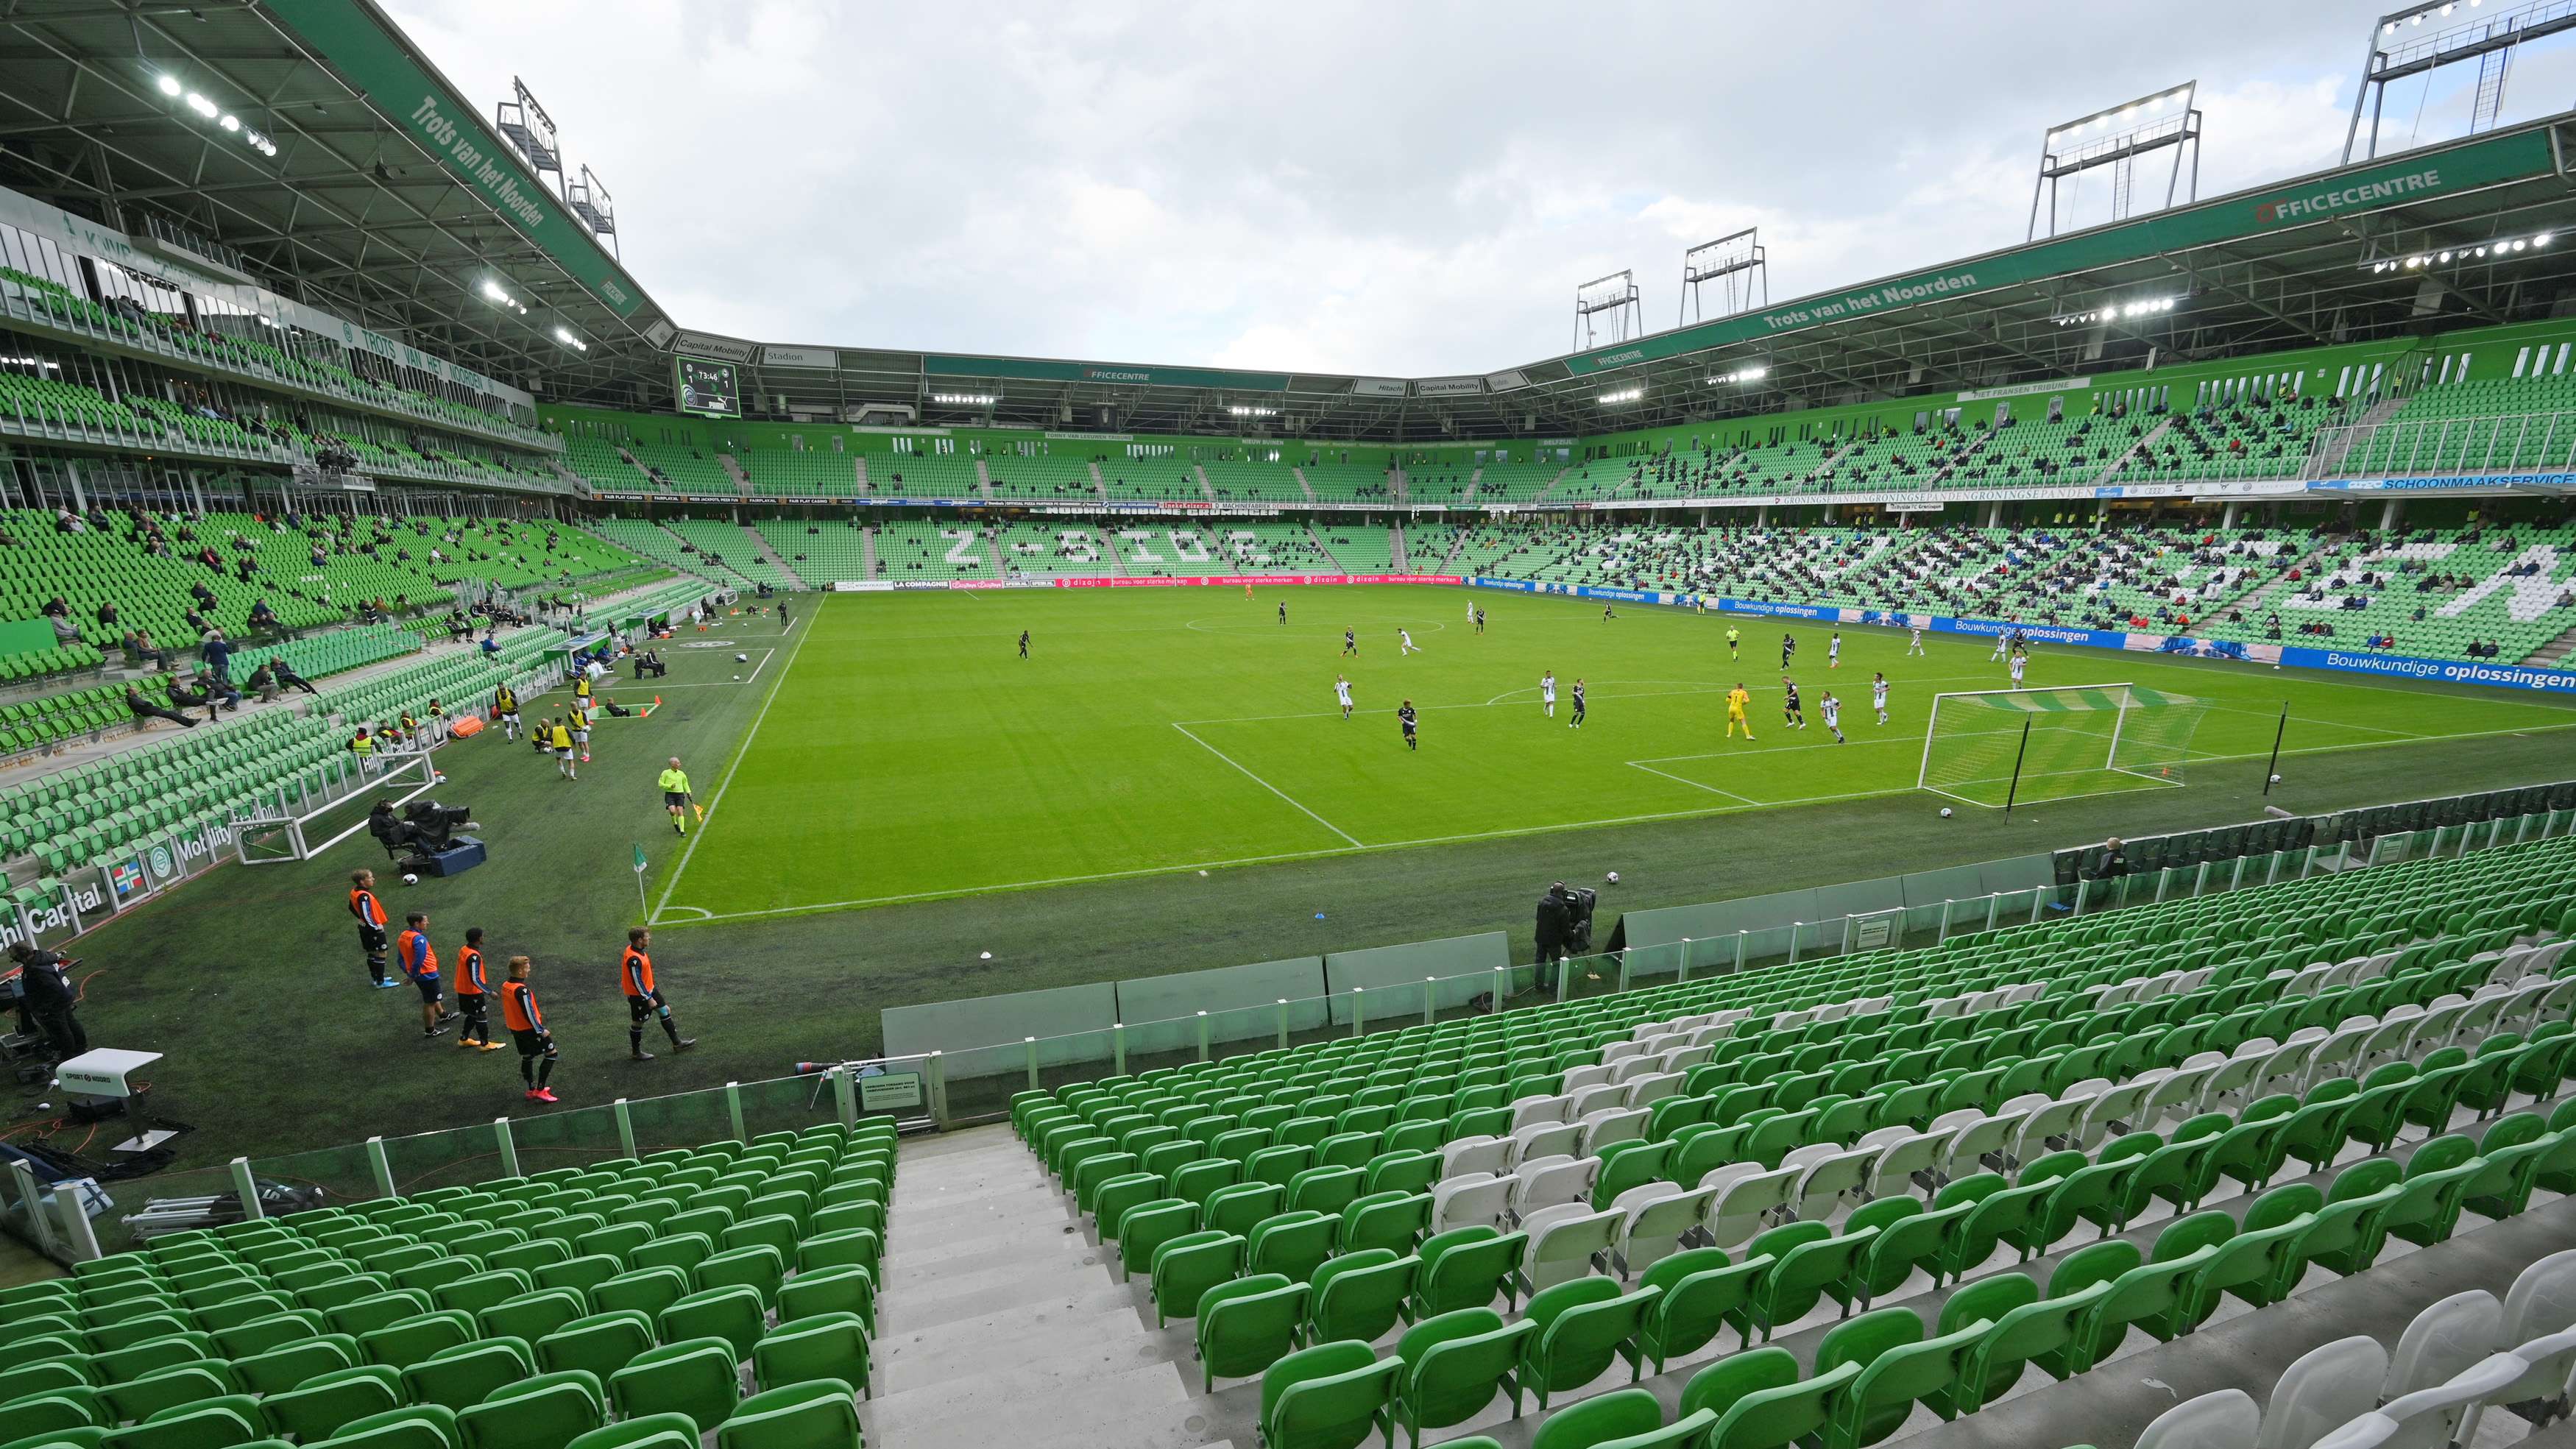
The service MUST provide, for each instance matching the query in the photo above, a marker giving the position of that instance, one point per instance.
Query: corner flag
(639, 880)
(639, 860)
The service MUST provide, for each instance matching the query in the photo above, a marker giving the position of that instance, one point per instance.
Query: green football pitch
(906, 751)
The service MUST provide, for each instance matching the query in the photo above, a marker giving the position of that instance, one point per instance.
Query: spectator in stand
(263, 683)
(218, 653)
(288, 678)
(144, 709)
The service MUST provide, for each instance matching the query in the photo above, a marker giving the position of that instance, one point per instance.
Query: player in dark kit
(1788, 649)
(1404, 716)
(1578, 706)
(1790, 711)
(1608, 614)
(1350, 642)
(1283, 611)
(1024, 643)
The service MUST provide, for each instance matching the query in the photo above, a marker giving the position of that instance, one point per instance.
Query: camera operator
(45, 979)
(1564, 929)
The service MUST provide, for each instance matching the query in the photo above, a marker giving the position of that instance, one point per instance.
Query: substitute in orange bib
(419, 964)
(371, 922)
(473, 995)
(528, 1030)
(643, 998)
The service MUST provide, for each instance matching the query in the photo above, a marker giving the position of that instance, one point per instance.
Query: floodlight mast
(1737, 263)
(2116, 137)
(589, 200)
(531, 132)
(1614, 296)
(2400, 46)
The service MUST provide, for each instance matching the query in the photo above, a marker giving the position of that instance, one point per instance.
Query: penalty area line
(1273, 789)
(1685, 780)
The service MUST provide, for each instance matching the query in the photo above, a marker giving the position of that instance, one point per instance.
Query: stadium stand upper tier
(1046, 479)
(822, 550)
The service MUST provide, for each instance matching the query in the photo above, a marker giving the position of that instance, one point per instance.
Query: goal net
(1997, 746)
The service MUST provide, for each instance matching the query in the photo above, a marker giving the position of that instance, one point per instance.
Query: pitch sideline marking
(1694, 784)
(1273, 789)
(741, 752)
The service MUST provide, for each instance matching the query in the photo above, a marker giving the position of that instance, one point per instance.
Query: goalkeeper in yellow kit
(1736, 700)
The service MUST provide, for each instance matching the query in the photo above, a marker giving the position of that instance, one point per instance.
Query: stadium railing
(137, 1210)
(975, 1082)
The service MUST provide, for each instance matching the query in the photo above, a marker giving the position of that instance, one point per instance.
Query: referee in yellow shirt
(1736, 699)
(676, 796)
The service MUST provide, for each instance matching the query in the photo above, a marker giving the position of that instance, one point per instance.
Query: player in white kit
(1915, 644)
(1833, 709)
(1547, 692)
(1342, 693)
(2018, 661)
(1878, 696)
(1404, 641)
(2003, 645)
(1834, 651)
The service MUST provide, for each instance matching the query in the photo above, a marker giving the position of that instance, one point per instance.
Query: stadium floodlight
(1736, 262)
(500, 295)
(530, 131)
(589, 200)
(1614, 296)
(1742, 374)
(965, 399)
(2493, 249)
(1623, 395)
(230, 122)
(2118, 311)
(169, 85)
(565, 336)
(202, 106)
(1242, 410)
(2489, 38)
(2115, 137)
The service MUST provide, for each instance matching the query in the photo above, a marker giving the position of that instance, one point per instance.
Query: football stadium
(1977, 855)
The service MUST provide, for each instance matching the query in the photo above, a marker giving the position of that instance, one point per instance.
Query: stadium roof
(362, 210)
(389, 201)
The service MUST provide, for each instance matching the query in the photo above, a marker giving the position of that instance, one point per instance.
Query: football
(410, 879)
(1945, 812)
(742, 659)
(2276, 779)
(1614, 877)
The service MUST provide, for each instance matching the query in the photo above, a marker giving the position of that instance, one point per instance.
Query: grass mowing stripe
(742, 747)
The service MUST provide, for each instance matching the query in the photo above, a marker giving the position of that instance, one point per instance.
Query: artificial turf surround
(252, 984)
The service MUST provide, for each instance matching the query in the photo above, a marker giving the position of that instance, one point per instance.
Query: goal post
(2086, 739)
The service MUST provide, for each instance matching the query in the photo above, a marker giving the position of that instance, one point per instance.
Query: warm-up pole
(2272, 768)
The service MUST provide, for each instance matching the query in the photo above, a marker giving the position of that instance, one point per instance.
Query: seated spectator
(144, 709)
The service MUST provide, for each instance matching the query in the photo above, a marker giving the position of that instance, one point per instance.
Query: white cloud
(1391, 189)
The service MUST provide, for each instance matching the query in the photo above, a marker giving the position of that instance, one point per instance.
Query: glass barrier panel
(140, 1209)
(332, 1175)
(447, 1159)
(683, 1119)
(788, 1104)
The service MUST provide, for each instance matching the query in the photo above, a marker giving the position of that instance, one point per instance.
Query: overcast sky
(1399, 188)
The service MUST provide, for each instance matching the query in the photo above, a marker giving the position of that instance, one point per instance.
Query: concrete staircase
(760, 541)
(2112, 469)
(1205, 487)
(733, 469)
(867, 541)
(1099, 484)
(1395, 548)
(1302, 483)
(861, 459)
(983, 479)
(1002, 1322)
(2558, 653)
(2328, 459)
(1325, 549)
(1473, 479)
